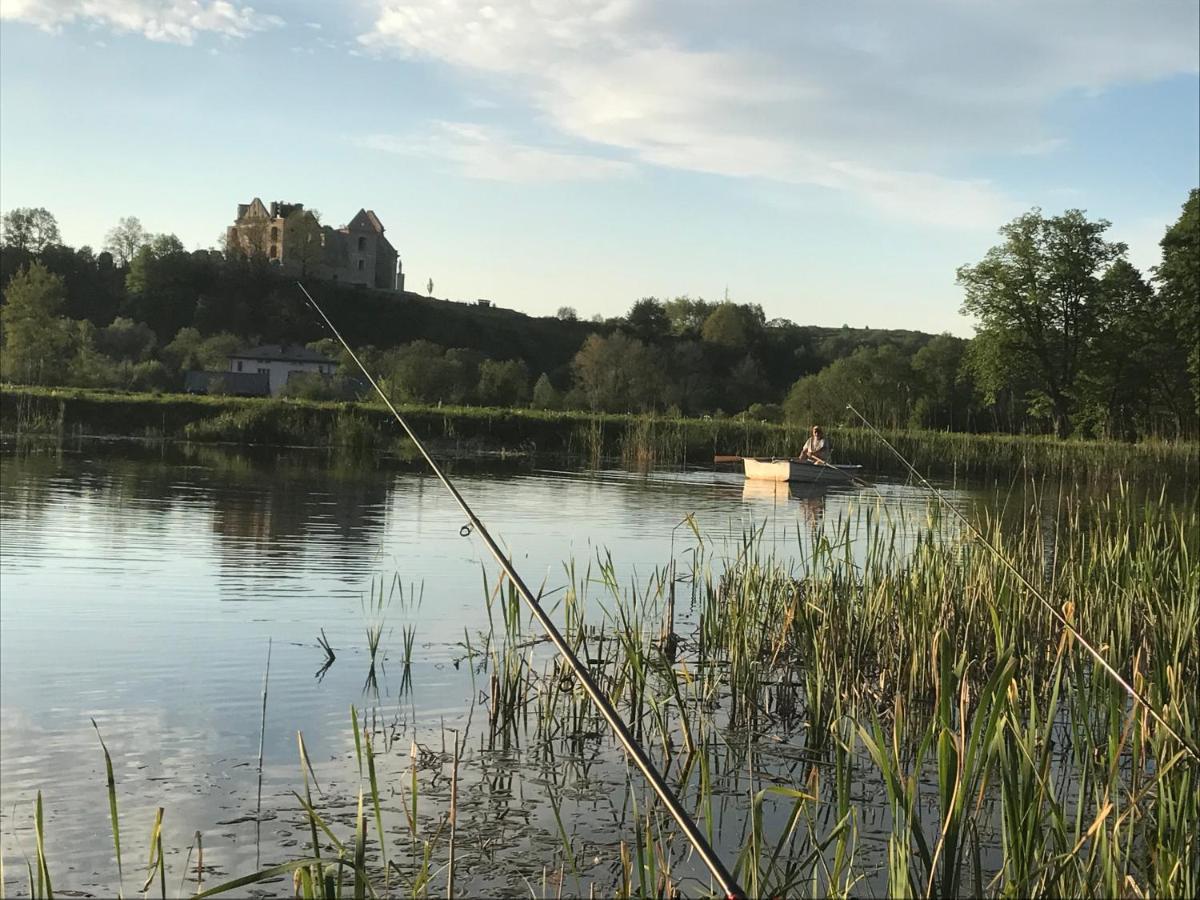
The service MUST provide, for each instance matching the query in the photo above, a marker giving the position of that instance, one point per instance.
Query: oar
(732, 459)
(820, 462)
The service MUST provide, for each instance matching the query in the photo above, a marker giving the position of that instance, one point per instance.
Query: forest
(1071, 338)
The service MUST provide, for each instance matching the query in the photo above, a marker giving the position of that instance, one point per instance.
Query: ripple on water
(143, 593)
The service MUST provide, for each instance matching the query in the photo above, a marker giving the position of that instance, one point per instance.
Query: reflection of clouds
(120, 565)
(153, 764)
(197, 758)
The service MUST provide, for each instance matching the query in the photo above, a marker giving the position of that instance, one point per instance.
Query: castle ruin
(289, 236)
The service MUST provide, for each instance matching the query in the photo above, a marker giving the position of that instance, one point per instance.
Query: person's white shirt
(816, 446)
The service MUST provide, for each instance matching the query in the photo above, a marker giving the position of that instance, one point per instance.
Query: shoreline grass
(639, 441)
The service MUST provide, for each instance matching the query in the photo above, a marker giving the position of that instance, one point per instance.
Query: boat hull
(793, 471)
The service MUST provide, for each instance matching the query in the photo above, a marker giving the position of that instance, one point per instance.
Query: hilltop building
(291, 237)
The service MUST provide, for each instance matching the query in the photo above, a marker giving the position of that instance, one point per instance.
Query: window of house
(362, 244)
(239, 365)
(274, 233)
(274, 251)
(264, 371)
(362, 264)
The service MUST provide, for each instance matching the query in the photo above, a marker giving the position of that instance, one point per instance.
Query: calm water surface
(141, 590)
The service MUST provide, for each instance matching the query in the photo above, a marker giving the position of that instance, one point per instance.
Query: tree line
(1071, 338)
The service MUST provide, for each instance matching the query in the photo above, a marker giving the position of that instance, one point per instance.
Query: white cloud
(170, 21)
(889, 101)
(487, 154)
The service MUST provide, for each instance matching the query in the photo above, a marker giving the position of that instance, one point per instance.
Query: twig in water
(330, 656)
(262, 740)
(453, 820)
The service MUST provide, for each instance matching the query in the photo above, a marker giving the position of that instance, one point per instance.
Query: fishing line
(1008, 564)
(728, 885)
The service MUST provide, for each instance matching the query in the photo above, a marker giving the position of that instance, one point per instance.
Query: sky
(834, 162)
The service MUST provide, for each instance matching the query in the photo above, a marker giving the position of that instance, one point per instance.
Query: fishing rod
(706, 853)
(1062, 620)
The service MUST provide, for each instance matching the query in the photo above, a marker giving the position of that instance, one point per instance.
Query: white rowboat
(791, 470)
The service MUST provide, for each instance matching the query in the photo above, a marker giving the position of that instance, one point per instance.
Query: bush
(766, 412)
(312, 386)
(503, 383)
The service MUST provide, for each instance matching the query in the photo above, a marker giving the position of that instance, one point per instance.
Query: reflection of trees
(25, 484)
(139, 480)
(260, 506)
(269, 513)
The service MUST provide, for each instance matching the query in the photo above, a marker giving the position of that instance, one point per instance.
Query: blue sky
(834, 162)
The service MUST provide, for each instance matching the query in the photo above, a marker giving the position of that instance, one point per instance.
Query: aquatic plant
(890, 712)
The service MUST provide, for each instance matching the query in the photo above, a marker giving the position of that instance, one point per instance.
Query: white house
(279, 363)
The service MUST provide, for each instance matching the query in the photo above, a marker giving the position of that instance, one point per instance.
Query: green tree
(1038, 300)
(944, 398)
(619, 374)
(503, 383)
(687, 316)
(877, 381)
(544, 394)
(1178, 280)
(648, 320)
(1114, 388)
(421, 372)
(745, 383)
(152, 263)
(164, 284)
(126, 339)
(36, 342)
(31, 228)
(733, 325)
(89, 367)
(765, 412)
(567, 314)
(125, 239)
(303, 241)
(692, 383)
(191, 350)
(166, 244)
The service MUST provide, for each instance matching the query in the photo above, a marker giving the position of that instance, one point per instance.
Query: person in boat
(817, 448)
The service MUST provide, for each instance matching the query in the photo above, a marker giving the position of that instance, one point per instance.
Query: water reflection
(114, 572)
(808, 499)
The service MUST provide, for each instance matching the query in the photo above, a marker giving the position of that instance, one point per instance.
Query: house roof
(365, 220)
(283, 353)
(252, 210)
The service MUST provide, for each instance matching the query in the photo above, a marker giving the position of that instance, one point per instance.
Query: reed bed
(365, 429)
(892, 713)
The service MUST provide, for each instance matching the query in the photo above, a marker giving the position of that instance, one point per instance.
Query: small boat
(793, 470)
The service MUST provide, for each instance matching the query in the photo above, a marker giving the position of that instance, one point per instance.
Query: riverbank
(64, 414)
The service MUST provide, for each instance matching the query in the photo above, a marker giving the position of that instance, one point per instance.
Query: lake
(143, 588)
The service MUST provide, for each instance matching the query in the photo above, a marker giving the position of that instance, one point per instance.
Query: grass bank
(635, 440)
